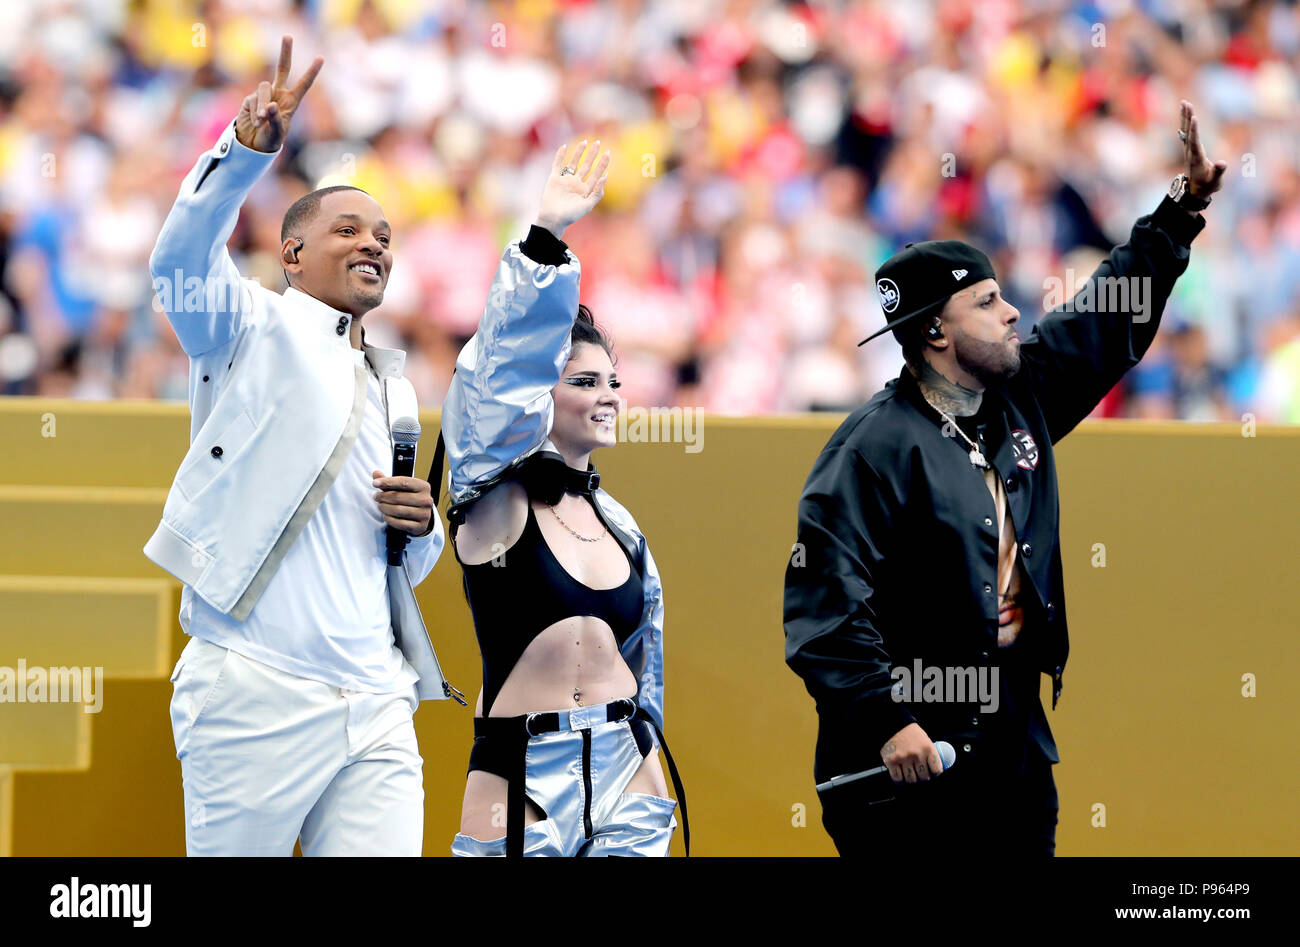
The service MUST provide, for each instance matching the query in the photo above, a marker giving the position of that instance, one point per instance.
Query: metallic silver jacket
(499, 411)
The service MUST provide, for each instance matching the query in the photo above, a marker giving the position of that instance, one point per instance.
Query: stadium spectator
(767, 157)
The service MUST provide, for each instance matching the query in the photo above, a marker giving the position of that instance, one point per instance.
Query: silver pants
(621, 823)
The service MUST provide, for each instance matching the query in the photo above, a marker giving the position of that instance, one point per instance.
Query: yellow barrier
(121, 625)
(44, 737)
(6, 812)
(1162, 751)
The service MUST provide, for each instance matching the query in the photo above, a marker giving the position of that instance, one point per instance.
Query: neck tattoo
(947, 395)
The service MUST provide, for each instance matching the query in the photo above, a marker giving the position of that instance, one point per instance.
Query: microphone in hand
(947, 756)
(406, 434)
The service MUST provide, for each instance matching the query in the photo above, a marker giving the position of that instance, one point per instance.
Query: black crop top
(514, 603)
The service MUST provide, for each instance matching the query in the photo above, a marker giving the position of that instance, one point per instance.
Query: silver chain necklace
(976, 457)
(576, 534)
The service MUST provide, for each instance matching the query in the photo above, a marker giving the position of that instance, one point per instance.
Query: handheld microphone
(947, 755)
(406, 434)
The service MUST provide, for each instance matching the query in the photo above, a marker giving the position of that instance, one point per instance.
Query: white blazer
(276, 403)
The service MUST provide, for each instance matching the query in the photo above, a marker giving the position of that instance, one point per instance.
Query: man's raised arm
(1082, 348)
(190, 261)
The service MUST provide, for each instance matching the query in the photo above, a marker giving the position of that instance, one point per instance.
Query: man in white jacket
(293, 702)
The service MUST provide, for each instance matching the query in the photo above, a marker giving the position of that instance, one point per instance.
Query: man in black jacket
(924, 596)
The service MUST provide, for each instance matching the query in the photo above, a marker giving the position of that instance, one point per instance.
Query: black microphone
(406, 434)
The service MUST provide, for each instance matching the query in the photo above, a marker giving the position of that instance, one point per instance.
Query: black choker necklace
(546, 477)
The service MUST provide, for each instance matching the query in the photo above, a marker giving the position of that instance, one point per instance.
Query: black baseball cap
(919, 279)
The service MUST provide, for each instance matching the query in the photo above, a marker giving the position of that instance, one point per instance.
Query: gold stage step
(60, 530)
(72, 443)
(44, 736)
(74, 632)
(76, 590)
(121, 625)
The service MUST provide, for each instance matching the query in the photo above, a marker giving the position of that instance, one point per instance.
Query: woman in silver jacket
(566, 598)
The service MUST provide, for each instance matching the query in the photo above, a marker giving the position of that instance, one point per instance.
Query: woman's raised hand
(573, 188)
(263, 119)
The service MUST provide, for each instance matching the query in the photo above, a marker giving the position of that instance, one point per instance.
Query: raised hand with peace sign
(263, 120)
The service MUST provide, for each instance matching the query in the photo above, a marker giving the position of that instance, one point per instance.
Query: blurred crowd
(767, 158)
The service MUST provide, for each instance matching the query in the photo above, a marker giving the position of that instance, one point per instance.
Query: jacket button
(205, 377)
(988, 521)
(1011, 484)
(343, 320)
(965, 747)
(216, 451)
(224, 146)
(987, 587)
(341, 329)
(1027, 549)
(984, 655)
(975, 721)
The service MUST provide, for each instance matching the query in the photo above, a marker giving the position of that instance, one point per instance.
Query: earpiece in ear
(291, 254)
(934, 332)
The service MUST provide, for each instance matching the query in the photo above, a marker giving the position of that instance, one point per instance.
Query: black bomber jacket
(896, 553)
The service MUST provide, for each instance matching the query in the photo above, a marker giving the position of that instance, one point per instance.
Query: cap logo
(888, 294)
(959, 273)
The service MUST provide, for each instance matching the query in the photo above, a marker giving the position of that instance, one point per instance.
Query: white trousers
(268, 757)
